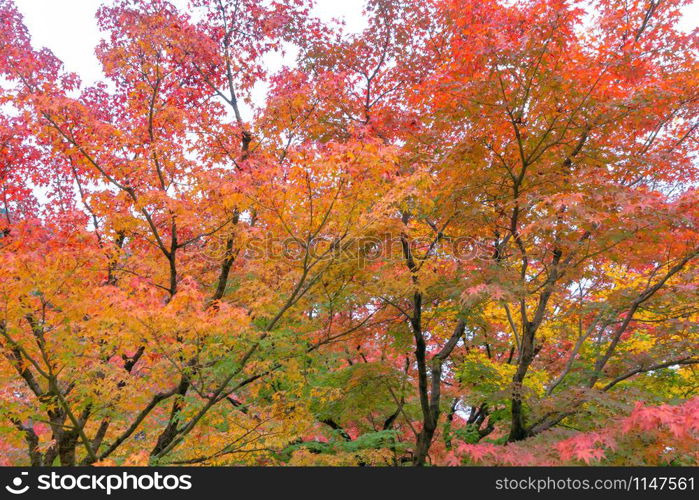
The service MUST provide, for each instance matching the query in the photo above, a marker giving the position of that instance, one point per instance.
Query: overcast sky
(68, 28)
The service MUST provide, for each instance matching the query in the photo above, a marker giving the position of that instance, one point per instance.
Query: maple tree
(467, 234)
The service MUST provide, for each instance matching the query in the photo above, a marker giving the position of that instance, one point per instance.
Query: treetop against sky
(453, 232)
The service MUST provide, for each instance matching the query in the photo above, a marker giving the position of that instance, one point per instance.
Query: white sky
(68, 27)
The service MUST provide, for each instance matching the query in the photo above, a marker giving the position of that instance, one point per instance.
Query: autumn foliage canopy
(468, 234)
